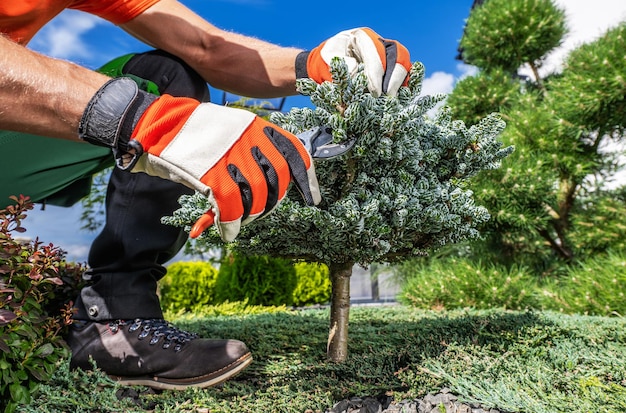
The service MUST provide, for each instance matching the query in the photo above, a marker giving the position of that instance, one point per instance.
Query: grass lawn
(512, 361)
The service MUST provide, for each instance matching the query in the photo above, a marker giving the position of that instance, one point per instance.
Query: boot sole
(201, 382)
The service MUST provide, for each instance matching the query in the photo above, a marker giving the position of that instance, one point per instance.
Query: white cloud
(439, 82)
(62, 37)
(466, 70)
(59, 226)
(76, 252)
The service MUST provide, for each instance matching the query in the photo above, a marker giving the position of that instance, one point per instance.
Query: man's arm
(47, 96)
(228, 61)
(41, 95)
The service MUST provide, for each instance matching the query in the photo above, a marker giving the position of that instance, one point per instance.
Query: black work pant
(126, 259)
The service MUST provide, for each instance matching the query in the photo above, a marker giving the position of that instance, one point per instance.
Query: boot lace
(157, 330)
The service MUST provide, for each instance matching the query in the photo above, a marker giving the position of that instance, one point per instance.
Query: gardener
(166, 143)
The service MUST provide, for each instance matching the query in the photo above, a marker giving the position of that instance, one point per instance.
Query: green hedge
(259, 280)
(188, 286)
(314, 286)
(267, 281)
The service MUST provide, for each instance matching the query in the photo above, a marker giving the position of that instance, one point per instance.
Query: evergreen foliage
(548, 202)
(595, 286)
(313, 286)
(505, 34)
(402, 190)
(188, 286)
(489, 91)
(257, 280)
(453, 283)
(591, 93)
(540, 362)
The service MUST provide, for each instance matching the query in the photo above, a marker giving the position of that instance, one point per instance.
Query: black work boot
(154, 353)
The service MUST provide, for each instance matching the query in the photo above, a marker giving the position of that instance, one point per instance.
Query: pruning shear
(318, 142)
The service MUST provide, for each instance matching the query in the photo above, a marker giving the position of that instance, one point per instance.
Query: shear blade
(333, 150)
(318, 141)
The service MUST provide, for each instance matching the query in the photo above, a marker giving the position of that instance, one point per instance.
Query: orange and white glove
(241, 162)
(387, 62)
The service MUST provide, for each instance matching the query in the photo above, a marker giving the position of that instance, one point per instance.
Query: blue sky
(429, 29)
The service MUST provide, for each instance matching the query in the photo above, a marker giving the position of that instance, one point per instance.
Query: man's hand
(387, 62)
(241, 162)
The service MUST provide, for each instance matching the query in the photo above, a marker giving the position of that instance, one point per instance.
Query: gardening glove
(241, 162)
(387, 62)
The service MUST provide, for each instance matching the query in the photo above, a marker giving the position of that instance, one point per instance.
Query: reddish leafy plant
(34, 308)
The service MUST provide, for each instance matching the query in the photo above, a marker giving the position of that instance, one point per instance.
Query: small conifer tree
(402, 190)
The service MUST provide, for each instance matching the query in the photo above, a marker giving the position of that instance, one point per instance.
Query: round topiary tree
(506, 34)
(402, 190)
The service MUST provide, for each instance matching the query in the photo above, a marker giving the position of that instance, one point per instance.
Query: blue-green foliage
(402, 190)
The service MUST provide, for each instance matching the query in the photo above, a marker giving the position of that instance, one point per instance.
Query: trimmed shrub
(188, 286)
(261, 280)
(314, 286)
(30, 341)
(596, 286)
(457, 283)
(227, 309)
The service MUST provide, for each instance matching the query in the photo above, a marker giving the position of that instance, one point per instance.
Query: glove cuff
(301, 63)
(113, 113)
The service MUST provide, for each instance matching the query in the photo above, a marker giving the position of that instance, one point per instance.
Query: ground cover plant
(515, 361)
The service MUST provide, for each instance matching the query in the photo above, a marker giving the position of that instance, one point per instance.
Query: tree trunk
(340, 273)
